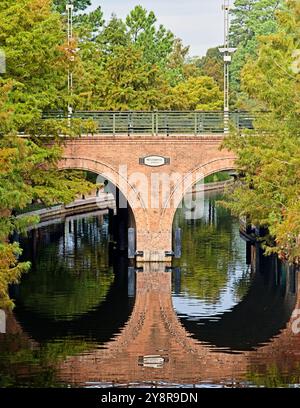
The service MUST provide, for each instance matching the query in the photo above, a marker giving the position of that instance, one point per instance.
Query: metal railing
(158, 122)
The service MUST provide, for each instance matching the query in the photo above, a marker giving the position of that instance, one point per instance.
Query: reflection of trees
(40, 361)
(211, 249)
(241, 286)
(272, 376)
(70, 275)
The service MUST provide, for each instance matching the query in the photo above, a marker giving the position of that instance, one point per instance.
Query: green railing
(159, 122)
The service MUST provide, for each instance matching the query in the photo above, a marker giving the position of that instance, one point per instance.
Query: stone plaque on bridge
(154, 161)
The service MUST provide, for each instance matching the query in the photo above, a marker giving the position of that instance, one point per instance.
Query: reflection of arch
(112, 313)
(257, 318)
(154, 329)
(64, 282)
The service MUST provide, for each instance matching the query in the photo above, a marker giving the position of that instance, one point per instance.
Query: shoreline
(104, 201)
(60, 212)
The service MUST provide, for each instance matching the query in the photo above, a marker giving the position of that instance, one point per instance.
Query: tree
(127, 64)
(60, 5)
(129, 83)
(89, 25)
(250, 19)
(84, 288)
(157, 44)
(33, 40)
(114, 35)
(208, 254)
(28, 173)
(197, 93)
(179, 66)
(212, 65)
(268, 157)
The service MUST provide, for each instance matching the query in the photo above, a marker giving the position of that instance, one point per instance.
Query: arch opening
(122, 215)
(213, 176)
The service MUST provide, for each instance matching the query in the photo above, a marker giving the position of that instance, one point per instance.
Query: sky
(199, 23)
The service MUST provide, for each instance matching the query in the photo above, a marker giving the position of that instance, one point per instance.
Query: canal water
(224, 315)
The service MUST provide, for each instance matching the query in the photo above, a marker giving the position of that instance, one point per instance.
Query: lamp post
(2, 62)
(70, 10)
(226, 51)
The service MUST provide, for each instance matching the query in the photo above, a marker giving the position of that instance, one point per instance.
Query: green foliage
(89, 25)
(60, 5)
(28, 173)
(209, 251)
(272, 375)
(10, 271)
(250, 20)
(268, 157)
(62, 291)
(114, 35)
(129, 82)
(197, 93)
(131, 64)
(180, 67)
(40, 361)
(216, 177)
(212, 65)
(120, 65)
(135, 64)
(157, 44)
(33, 40)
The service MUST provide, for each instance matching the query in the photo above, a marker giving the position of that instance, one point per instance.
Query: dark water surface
(225, 315)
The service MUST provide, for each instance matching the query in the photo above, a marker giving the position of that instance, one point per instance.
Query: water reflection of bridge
(154, 329)
(256, 333)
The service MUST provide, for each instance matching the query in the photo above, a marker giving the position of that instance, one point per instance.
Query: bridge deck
(156, 123)
(149, 136)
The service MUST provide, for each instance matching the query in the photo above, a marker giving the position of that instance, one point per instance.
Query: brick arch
(172, 203)
(185, 155)
(132, 196)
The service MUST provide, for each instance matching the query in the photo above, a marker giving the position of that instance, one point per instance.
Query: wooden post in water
(131, 243)
(178, 239)
(131, 281)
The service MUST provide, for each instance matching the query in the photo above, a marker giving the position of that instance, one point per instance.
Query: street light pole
(70, 10)
(227, 57)
(226, 51)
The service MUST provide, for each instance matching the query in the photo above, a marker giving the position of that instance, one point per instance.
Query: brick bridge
(153, 203)
(153, 158)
